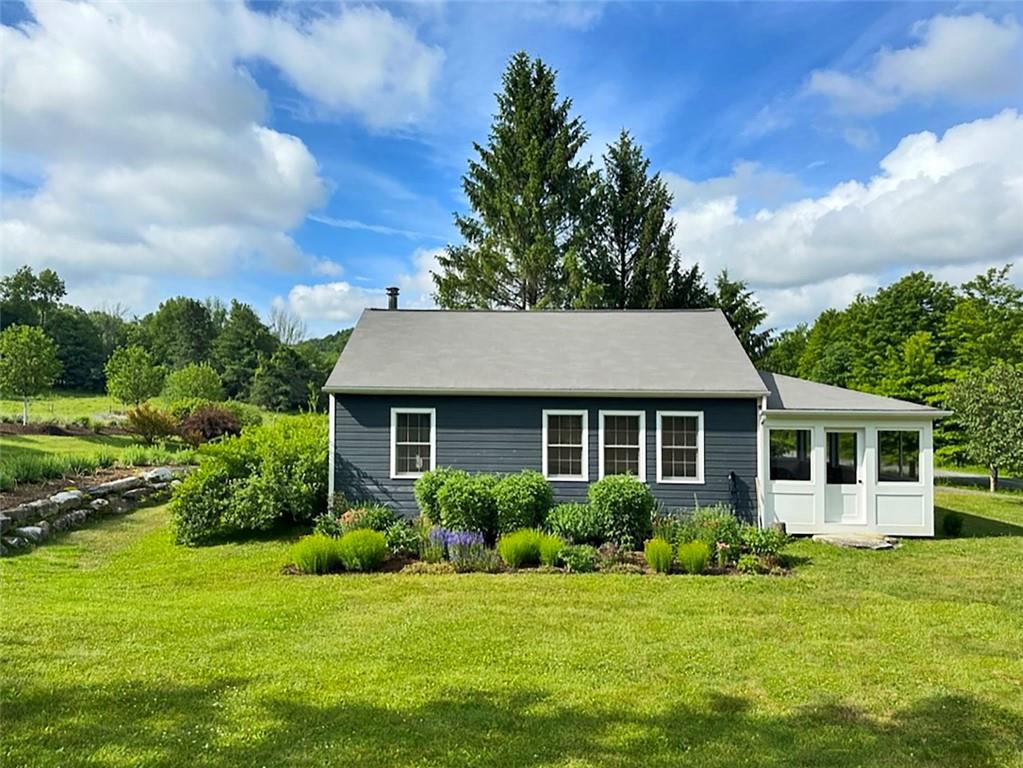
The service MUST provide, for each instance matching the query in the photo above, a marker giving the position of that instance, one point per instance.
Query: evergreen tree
(282, 382)
(530, 200)
(243, 343)
(630, 254)
(79, 348)
(745, 314)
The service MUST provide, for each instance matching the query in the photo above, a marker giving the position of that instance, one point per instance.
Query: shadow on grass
(168, 725)
(974, 526)
(281, 531)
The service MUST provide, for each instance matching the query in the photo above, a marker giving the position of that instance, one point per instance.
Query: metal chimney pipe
(392, 297)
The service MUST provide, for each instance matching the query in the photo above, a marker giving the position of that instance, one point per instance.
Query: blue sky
(311, 154)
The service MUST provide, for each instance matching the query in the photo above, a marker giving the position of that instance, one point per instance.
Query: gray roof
(787, 393)
(673, 353)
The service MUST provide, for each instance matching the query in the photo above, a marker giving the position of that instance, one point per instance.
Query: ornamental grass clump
(551, 547)
(658, 554)
(362, 550)
(316, 554)
(577, 523)
(520, 548)
(693, 556)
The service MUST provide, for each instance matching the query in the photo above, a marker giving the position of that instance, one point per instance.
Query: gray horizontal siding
(492, 434)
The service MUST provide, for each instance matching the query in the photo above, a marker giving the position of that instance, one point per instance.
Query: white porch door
(844, 495)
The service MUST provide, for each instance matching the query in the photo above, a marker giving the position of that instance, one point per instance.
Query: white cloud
(960, 58)
(325, 307)
(936, 202)
(148, 134)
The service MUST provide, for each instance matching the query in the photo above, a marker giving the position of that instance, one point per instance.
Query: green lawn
(64, 407)
(120, 649)
(12, 446)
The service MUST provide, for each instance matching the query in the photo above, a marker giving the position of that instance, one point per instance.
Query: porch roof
(789, 394)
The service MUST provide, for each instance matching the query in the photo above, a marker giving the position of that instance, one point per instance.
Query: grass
(65, 407)
(120, 649)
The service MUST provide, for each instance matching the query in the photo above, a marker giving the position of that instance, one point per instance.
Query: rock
(5, 523)
(66, 500)
(174, 484)
(32, 533)
(116, 486)
(15, 543)
(159, 486)
(159, 475)
(70, 520)
(857, 540)
(32, 511)
(99, 505)
(136, 494)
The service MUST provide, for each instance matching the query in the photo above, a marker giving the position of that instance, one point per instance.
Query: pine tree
(745, 314)
(242, 344)
(529, 197)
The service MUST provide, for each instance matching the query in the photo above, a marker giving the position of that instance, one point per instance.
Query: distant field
(65, 406)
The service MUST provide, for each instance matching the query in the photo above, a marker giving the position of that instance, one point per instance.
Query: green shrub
(952, 523)
(316, 554)
(520, 548)
(522, 500)
(274, 472)
(208, 422)
(712, 525)
(466, 503)
(186, 406)
(550, 549)
(154, 455)
(579, 558)
(376, 517)
(578, 523)
(658, 554)
(193, 381)
(150, 424)
(362, 550)
(426, 488)
(763, 542)
(693, 556)
(749, 563)
(625, 504)
(403, 539)
(245, 414)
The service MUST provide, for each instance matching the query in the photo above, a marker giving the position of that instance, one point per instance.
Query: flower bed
(616, 532)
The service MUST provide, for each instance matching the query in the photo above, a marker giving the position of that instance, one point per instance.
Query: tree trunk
(24, 411)
(993, 483)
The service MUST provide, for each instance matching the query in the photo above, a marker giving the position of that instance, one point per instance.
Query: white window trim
(813, 448)
(585, 476)
(395, 475)
(698, 480)
(920, 460)
(642, 439)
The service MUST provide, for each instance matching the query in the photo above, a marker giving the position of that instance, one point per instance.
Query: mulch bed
(32, 491)
(58, 430)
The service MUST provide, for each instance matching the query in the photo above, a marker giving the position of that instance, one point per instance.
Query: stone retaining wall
(35, 521)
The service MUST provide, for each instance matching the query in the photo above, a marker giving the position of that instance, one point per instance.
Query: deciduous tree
(132, 376)
(28, 364)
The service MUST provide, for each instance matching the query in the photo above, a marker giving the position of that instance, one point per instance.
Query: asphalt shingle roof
(787, 393)
(671, 353)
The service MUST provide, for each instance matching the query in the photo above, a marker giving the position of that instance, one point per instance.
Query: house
(669, 396)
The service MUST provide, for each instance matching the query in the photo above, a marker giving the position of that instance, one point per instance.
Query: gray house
(668, 396)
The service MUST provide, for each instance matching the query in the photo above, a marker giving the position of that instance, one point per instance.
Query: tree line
(48, 342)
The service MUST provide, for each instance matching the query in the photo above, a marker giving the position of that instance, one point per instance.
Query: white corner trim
(585, 476)
(394, 442)
(642, 440)
(699, 479)
(331, 447)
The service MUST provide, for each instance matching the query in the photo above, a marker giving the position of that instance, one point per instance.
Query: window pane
(790, 454)
(842, 458)
(565, 430)
(412, 432)
(564, 461)
(679, 431)
(898, 456)
(621, 445)
(412, 458)
(621, 461)
(679, 447)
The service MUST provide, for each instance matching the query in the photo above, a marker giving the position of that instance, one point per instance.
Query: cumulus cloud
(935, 202)
(325, 307)
(960, 58)
(146, 135)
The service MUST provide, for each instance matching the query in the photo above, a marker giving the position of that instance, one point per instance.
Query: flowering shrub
(712, 525)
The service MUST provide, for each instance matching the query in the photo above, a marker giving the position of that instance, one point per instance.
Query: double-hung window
(623, 443)
(413, 441)
(565, 449)
(680, 446)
